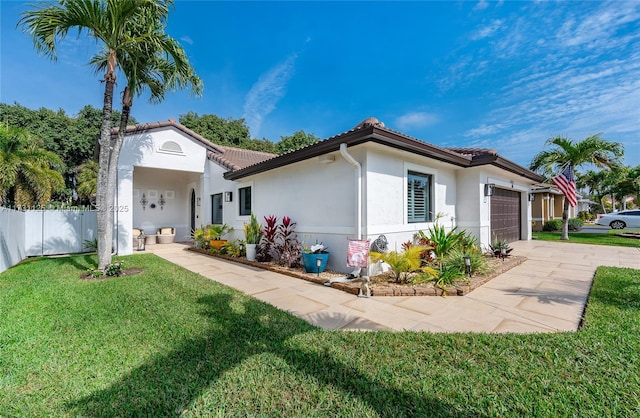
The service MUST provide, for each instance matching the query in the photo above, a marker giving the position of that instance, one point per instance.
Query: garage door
(505, 215)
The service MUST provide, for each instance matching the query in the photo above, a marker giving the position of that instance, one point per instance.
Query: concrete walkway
(546, 293)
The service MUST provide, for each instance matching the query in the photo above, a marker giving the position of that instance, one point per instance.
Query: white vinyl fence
(43, 232)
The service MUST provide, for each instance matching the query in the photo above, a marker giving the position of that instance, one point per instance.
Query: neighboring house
(363, 183)
(548, 204)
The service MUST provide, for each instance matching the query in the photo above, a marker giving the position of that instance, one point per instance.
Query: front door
(192, 208)
(216, 208)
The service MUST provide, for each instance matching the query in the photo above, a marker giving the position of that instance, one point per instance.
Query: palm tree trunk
(565, 220)
(104, 204)
(112, 175)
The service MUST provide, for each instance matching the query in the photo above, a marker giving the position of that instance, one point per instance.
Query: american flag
(566, 182)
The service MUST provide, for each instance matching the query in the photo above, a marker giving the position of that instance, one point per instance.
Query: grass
(168, 342)
(607, 238)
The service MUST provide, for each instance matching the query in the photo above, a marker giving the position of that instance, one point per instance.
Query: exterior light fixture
(144, 201)
(532, 197)
(318, 265)
(489, 189)
(141, 242)
(467, 265)
(228, 196)
(162, 202)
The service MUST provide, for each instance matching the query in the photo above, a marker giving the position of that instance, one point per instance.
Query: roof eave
(507, 165)
(352, 138)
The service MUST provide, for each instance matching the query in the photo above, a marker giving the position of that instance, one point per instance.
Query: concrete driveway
(546, 293)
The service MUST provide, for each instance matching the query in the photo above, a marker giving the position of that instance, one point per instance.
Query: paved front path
(546, 293)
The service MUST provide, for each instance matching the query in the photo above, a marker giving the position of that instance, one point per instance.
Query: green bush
(575, 224)
(552, 225)
(585, 215)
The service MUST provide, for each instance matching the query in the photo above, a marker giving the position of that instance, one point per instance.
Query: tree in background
(229, 131)
(299, 139)
(73, 139)
(88, 181)
(130, 32)
(592, 149)
(28, 173)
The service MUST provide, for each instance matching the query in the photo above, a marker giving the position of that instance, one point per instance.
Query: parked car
(620, 220)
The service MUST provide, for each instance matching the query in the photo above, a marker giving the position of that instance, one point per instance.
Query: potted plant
(215, 232)
(314, 258)
(252, 235)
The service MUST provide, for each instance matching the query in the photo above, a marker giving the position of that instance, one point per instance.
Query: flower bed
(379, 287)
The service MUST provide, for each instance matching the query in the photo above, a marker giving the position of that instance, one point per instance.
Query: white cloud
(187, 39)
(482, 4)
(582, 80)
(266, 92)
(488, 30)
(416, 120)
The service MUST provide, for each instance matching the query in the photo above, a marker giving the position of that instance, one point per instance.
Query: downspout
(358, 166)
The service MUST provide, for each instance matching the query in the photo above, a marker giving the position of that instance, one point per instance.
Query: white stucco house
(365, 182)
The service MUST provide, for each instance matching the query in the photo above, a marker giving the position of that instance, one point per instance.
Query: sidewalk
(546, 293)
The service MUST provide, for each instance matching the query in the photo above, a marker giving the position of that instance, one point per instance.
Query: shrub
(279, 242)
(114, 269)
(575, 224)
(263, 250)
(235, 248)
(585, 215)
(552, 225)
(404, 263)
(479, 263)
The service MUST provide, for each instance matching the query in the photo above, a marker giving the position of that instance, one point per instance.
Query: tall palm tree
(595, 181)
(131, 33)
(593, 149)
(28, 174)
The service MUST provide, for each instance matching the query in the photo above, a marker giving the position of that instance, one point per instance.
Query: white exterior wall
(386, 194)
(505, 180)
(319, 197)
(230, 210)
(473, 208)
(144, 166)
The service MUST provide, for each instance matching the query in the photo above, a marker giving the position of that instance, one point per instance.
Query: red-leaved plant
(263, 250)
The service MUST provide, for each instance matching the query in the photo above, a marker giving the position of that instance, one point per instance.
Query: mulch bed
(498, 267)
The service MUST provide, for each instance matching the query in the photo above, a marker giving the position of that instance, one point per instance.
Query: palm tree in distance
(131, 34)
(591, 150)
(28, 174)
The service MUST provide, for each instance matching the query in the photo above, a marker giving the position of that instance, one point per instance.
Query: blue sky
(502, 75)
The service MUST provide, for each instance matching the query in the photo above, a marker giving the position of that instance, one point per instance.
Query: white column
(123, 215)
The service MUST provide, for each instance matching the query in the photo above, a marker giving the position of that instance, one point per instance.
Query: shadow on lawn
(167, 384)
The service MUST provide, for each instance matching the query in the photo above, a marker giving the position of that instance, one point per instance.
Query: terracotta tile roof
(473, 152)
(143, 127)
(229, 157)
(372, 130)
(237, 158)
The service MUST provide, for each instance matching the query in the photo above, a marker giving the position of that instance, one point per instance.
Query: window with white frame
(244, 201)
(419, 201)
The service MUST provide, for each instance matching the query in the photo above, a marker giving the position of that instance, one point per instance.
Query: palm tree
(595, 182)
(131, 33)
(88, 180)
(593, 149)
(28, 174)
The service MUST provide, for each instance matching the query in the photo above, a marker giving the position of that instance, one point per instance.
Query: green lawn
(168, 342)
(607, 238)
